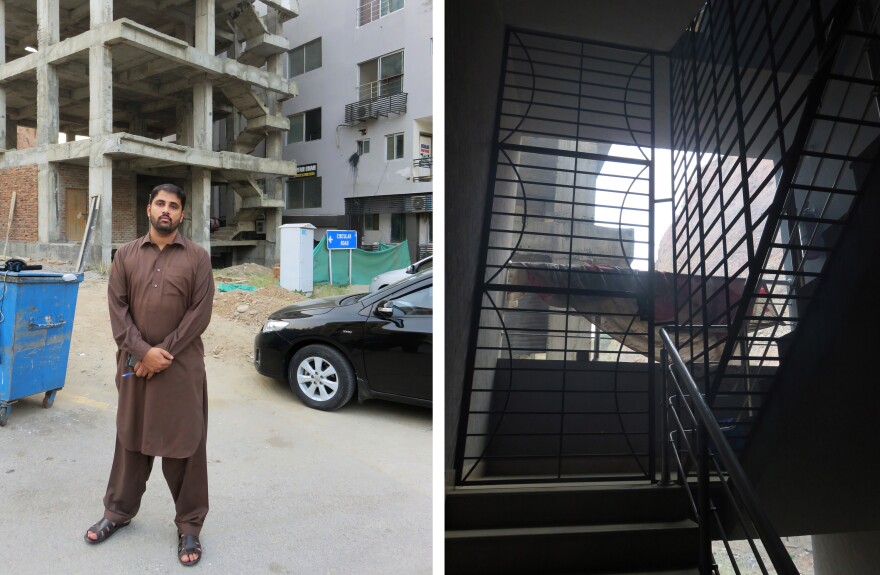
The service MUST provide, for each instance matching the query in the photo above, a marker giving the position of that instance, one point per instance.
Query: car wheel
(321, 377)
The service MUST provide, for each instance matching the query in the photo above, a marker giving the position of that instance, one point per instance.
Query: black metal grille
(558, 372)
(775, 126)
(373, 108)
(396, 204)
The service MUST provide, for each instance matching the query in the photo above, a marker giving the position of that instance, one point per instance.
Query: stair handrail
(706, 421)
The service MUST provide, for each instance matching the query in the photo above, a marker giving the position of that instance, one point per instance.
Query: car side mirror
(384, 308)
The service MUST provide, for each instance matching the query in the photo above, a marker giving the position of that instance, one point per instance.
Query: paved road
(293, 490)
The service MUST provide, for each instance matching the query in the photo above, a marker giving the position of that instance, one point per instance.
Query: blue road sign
(342, 239)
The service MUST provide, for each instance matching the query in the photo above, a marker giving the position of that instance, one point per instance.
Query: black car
(377, 344)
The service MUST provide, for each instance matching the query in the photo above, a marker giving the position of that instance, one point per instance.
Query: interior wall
(474, 41)
(813, 458)
(850, 553)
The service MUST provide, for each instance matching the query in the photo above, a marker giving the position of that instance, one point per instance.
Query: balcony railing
(422, 169)
(376, 99)
(370, 10)
(379, 88)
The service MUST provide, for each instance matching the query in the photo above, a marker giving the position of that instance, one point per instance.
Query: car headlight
(274, 325)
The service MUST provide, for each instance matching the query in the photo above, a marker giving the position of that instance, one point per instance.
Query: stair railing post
(664, 418)
(703, 503)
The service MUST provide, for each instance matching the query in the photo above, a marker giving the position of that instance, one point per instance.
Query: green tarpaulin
(233, 287)
(365, 265)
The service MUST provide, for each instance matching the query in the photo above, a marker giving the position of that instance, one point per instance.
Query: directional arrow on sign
(330, 239)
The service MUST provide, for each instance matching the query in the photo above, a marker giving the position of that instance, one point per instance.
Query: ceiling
(647, 24)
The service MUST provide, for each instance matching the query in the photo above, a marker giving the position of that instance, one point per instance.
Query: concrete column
(274, 147)
(2, 31)
(200, 201)
(47, 105)
(198, 204)
(203, 114)
(137, 125)
(100, 126)
(48, 228)
(273, 246)
(205, 26)
(47, 76)
(234, 120)
(48, 25)
(274, 143)
(100, 12)
(202, 129)
(4, 145)
(184, 112)
(203, 90)
(47, 122)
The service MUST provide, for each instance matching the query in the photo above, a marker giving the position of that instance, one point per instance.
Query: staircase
(260, 45)
(583, 529)
(252, 106)
(253, 204)
(805, 220)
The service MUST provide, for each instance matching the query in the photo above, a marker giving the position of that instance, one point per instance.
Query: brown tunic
(161, 299)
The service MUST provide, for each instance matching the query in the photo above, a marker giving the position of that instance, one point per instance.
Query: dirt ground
(799, 548)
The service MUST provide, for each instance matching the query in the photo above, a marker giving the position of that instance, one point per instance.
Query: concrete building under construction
(100, 101)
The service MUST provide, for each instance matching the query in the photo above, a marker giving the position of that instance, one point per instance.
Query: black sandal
(188, 544)
(103, 529)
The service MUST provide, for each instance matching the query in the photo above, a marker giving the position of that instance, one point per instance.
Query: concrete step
(225, 233)
(694, 571)
(583, 549)
(246, 101)
(555, 505)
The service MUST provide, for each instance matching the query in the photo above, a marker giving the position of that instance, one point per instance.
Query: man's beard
(165, 227)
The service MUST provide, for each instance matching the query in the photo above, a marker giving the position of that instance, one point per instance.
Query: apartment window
(305, 127)
(371, 221)
(303, 193)
(382, 76)
(363, 147)
(369, 10)
(393, 146)
(398, 227)
(304, 58)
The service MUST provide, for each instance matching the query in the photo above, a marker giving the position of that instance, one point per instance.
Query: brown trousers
(187, 479)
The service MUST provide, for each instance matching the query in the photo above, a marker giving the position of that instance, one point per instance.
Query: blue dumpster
(36, 321)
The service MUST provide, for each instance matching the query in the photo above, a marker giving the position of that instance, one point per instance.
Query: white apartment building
(361, 130)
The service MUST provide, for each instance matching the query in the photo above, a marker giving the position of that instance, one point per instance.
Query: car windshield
(408, 278)
(420, 265)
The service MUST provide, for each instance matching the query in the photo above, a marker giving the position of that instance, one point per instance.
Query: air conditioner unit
(418, 203)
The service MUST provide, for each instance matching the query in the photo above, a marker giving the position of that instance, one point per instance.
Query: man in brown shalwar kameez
(160, 294)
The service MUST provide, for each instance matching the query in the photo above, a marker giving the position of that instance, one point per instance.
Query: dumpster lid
(39, 277)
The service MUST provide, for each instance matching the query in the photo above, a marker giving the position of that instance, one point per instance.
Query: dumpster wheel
(49, 399)
(4, 415)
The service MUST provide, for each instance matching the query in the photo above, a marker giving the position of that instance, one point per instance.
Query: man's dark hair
(171, 189)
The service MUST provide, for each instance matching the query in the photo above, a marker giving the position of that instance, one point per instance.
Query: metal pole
(350, 278)
(772, 543)
(330, 264)
(664, 421)
(703, 503)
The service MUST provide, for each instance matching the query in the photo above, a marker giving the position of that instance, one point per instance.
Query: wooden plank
(94, 204)
(9, 223)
